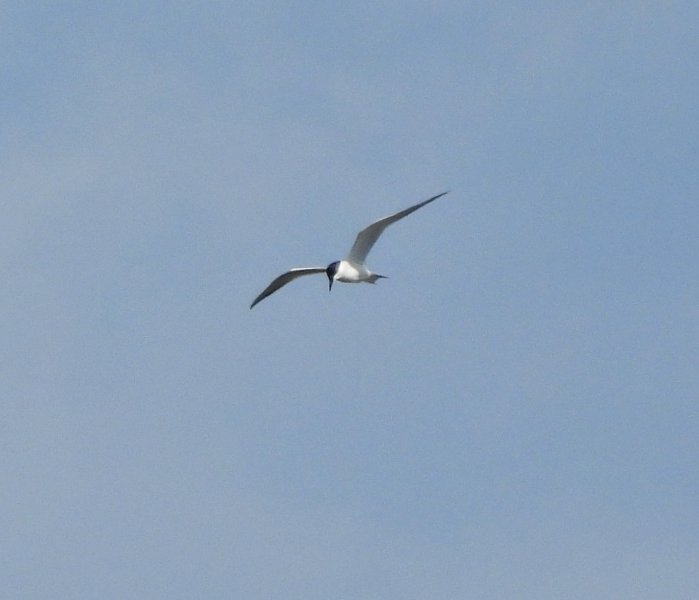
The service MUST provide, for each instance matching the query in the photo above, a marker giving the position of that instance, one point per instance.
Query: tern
(352, 268)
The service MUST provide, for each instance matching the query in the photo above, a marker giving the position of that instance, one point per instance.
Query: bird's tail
(375, 276)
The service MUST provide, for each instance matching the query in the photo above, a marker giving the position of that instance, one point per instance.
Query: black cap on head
(330, 272)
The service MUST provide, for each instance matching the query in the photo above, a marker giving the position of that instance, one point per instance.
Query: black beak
(330, 284)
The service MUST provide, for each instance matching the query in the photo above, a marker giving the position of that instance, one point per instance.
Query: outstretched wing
(367, 237)
(285, 278)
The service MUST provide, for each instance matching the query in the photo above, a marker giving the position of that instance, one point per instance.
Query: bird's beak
(330, 284)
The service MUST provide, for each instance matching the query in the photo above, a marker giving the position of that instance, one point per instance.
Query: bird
(352, 268)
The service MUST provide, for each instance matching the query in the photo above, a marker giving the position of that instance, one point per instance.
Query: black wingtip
(433, 198)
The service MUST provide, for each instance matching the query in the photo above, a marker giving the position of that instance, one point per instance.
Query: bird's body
(349, 272)
(351, 269)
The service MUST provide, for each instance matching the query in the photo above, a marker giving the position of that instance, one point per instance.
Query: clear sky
(513, 414)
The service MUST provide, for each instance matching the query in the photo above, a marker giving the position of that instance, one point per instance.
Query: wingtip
(439, 195)
(433, 198)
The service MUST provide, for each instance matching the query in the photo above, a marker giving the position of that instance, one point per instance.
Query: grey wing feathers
(285, 278)
(367, 237)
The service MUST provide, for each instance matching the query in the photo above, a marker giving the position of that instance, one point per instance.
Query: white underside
(348, 272)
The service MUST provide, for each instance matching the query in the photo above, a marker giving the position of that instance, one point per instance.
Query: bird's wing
(285, 278)
(367, 237)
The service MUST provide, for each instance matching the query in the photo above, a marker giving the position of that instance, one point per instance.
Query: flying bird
(352, 268)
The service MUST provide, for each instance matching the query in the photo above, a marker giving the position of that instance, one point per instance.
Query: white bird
(352, 268)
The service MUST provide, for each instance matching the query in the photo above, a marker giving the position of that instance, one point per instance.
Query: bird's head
(330, 272)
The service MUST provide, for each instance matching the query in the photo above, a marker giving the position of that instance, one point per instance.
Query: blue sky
(513, 414)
